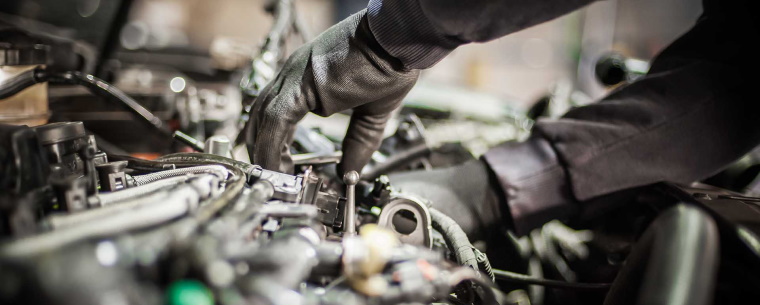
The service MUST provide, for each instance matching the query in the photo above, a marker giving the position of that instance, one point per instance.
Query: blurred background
(519, 68)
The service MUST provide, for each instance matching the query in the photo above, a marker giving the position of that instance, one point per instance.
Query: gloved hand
(464, 192)
(343, 68)
(555, 245)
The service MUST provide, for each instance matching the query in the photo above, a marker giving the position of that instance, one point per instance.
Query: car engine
(88, 228)
(124, 180)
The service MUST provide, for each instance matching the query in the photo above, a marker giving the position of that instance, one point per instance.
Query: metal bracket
(421, 235)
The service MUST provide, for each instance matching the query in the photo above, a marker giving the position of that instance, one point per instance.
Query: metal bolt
(350, 179)
(218, 145)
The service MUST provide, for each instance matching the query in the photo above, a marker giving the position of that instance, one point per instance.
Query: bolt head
(351, 178)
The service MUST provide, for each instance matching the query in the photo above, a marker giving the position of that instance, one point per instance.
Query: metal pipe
(61, 221)
(127, 199)
(143, 213)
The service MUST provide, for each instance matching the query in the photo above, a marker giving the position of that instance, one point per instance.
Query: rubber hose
(18, 83)
(675, 262)
(102, 88)
(396, 161)
(233, 189)
(142, 165)
(455, 238)
(234, 185)
(60, 221)
(204, 157)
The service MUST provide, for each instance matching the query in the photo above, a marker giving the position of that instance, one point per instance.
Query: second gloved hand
(343, 68)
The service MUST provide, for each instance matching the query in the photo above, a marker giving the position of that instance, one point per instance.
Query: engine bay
(84, 227)
(124, 179)
(204, 223)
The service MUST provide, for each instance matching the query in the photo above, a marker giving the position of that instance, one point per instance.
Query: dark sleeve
(694, 114)
(422, 32)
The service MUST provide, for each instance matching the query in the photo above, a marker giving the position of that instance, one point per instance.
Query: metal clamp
(421, 235)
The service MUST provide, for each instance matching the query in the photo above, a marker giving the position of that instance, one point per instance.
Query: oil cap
(59, 132)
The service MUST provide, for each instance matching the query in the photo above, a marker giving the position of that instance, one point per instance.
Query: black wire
(97, 86)
(18, 83)
(102, 88)
(525, 279)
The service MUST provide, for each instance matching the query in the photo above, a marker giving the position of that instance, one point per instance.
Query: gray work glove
(343, 68)
(464, 192)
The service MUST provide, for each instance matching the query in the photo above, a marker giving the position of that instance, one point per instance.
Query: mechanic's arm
(692, 115)
(422, 32)
(369, 62)
(681, 124)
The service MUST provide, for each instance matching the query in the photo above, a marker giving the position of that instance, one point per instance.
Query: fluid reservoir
(30, 106)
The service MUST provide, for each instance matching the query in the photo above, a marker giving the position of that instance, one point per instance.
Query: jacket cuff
(533, 181)
(403, 30)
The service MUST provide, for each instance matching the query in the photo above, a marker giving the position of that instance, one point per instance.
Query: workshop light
(177, 84)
